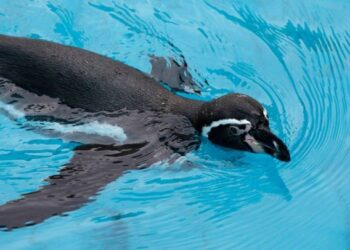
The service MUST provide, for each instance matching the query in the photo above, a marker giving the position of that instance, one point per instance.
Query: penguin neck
(186, 107)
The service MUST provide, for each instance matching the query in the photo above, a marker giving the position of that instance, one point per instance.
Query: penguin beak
(263, 141)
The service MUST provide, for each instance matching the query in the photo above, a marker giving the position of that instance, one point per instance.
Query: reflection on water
(292, 56)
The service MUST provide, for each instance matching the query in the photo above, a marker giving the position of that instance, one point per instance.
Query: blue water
(293, 56)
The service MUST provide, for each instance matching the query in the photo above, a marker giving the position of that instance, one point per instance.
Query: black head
(238, 121)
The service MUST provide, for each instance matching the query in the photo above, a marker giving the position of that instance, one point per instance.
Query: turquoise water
(293, 56)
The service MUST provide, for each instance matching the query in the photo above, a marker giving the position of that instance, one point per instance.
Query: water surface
(293, 56)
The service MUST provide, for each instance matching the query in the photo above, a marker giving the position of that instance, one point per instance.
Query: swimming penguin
(69, 84)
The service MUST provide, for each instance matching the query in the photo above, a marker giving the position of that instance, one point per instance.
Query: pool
(293, 56)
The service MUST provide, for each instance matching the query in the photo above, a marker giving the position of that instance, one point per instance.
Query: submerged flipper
(91, 168)
(174, 74)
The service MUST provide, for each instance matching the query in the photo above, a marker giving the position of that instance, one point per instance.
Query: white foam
(11, 110)
(93, 128)
(232, 121)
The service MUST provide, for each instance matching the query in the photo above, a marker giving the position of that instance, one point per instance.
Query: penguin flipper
(174, 74)
(91, 168)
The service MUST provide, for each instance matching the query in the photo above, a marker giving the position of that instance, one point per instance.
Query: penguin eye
(238, 129)
(233, 130)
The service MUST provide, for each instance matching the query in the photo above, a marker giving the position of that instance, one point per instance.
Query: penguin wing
(91, 168)
(174, 74)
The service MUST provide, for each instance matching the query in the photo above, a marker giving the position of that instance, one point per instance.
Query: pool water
(293, 56)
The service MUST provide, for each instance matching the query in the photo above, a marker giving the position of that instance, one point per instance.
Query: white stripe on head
(206, 129)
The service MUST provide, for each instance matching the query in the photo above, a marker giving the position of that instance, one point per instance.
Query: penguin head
(239, 122)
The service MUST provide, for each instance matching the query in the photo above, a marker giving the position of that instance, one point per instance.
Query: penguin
(49, 82)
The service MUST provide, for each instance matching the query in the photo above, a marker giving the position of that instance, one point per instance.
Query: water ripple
(293, 57)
